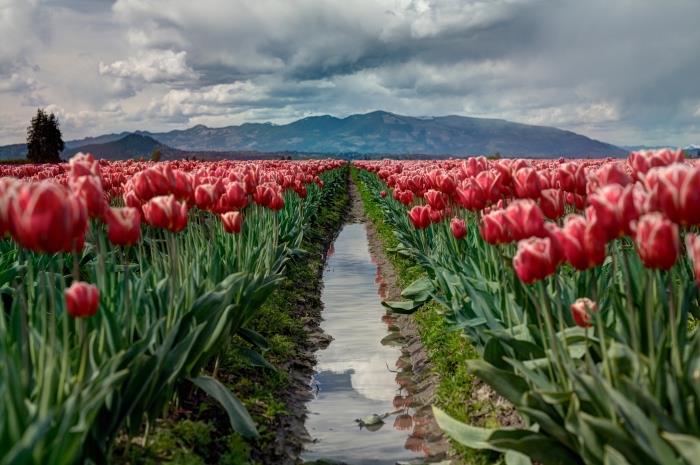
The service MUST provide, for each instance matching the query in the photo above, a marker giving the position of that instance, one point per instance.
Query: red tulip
(46, 217)
(552, 203)
(675, 191)
(582, 245)
(152, 182)
(82, 299)
(83, 164)
(693, 246)
(8, 186)
(89, 189)
(232, 221)
(657, 241)
(458, 228)
(572, 178)
(237, 197)
(581, 311)
(123, 225)
(527, 183)
(494, 228)
(615, 209)
(525, 219)
(382, 194)
(470, 195)
(436, 199)
(206, 196)
(643, 161)
(535, 259)
(420, 216)
(165, 212)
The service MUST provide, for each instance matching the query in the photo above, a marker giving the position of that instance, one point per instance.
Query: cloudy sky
(624, 71)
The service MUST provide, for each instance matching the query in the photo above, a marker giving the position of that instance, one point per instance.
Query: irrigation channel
(362, 411)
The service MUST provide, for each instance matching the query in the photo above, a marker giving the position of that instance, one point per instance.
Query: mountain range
(375, 133)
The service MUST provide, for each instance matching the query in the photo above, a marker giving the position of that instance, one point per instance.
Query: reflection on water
(361, 413)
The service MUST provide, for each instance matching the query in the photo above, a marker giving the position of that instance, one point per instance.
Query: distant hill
(375, 133)
(387, 133)
(129, 146)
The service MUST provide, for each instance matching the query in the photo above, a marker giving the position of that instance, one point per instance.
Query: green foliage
(169, 306)
(624, 391)
(44, 140)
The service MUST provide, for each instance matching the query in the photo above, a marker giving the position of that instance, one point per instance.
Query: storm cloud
(624, 71)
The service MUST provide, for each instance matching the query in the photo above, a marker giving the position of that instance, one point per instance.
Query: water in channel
(357, 375)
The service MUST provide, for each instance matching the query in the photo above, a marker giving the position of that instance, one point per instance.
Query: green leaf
(239, 417)
(506, 383)
(470, 436)
(613, 457)
(687, 446)
(419, 290)
(405, 307)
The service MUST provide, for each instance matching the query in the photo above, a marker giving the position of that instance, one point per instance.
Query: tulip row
(122, 281)
(577, 281)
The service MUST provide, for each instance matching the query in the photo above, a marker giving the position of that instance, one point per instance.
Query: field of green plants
(574, 284)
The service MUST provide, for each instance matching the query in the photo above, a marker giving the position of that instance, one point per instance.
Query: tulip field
(577, 282)
(122, 281)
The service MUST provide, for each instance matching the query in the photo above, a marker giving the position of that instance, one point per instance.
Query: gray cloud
(624, 71)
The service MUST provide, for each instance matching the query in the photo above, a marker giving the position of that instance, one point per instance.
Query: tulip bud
(382, 194)
(232, 221)
(494, 228)
(420, 216)
(123, 225)
(657, 241)
(527, 183)
(535, 259)
(693, 246)
(436, 199)
(458, 228)
(89, 189)
(581, 242)
(82, 299)
(166, 212)
(525, 219)
(581, 311)
(552, 203)
(236, 195)
(46, 217)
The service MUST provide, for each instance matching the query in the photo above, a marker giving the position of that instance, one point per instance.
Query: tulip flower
(123, 225)
(675, 191)
(232, 221)
(382, 194)
(420, 216)
(552, 203)
(581, 311)
(527, 183)
(89, 189)
(7, 192)
(525, 219)
(436, 199)
(206, 196)
(657, 241)
(165, 212)
(82, 300)
(494, 228)
(535, 259)
(46, 217)
(236, 195)
(458, 228)
(615, 209)
(581, 242)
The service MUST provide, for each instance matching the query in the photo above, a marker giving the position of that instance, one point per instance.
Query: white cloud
(16, 83)
(151, 66)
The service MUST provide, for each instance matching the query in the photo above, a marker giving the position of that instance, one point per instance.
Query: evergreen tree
(44, 141)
